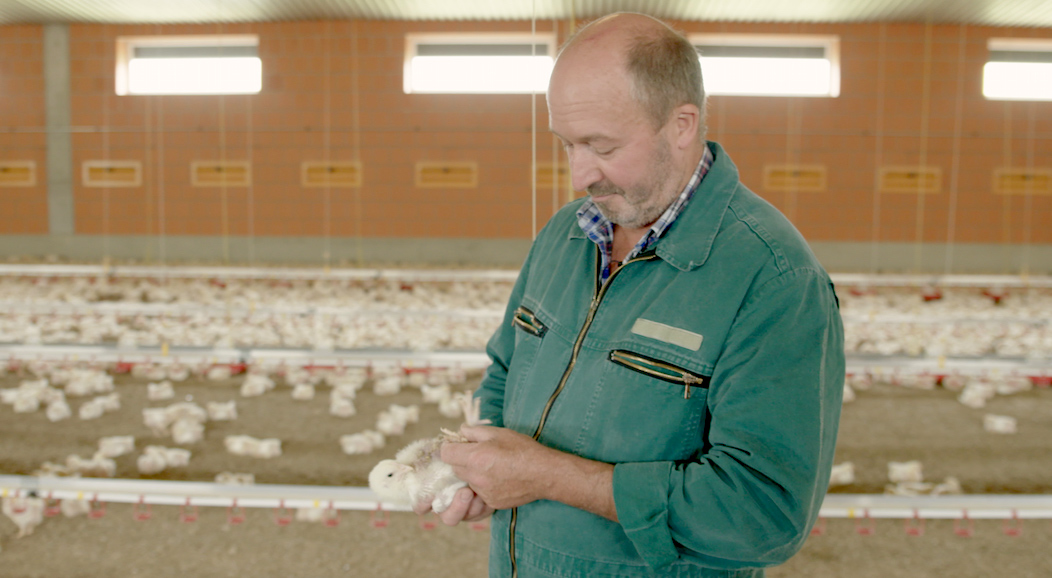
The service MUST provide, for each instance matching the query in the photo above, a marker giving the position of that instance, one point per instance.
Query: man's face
(614, 151)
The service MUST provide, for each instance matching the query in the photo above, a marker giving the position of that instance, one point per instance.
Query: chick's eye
(390, 475)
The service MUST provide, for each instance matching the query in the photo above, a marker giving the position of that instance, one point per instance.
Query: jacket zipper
(525, 319)
(660, 370)
(600, 291)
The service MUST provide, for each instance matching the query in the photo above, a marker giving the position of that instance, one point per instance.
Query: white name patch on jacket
(667, 333)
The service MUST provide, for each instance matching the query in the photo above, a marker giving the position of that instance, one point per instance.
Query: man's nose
(584, 172)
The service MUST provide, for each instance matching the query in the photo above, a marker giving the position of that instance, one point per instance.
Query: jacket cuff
(641, 500)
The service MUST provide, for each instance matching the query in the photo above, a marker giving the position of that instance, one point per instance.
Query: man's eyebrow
(588, 138)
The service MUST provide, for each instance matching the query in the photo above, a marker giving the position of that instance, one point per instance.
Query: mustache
(604, 188)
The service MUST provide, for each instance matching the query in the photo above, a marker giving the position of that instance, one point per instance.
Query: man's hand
(466, 507)
(502, 466)
(507, 469)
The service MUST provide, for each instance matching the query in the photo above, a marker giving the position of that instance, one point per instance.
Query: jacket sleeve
(500, 349)
(754, 490)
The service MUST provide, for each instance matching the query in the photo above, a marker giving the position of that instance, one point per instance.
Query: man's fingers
(478, 433)
(457, 510)
(478, 510)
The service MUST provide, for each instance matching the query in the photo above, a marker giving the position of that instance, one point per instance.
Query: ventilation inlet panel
(795, 178)
(221, 173)
(903, 179)
(1009, 181)
(447, 175)
(18, 173)
(345, 174)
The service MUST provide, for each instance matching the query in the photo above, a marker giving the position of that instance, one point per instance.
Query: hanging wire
(533, 127)
(955, 167)
(223, 189)
(1028, 198)
(571, 29)
(148, 183)
(106, 257)
(162, 241)
(556, 174)
(874, 252)
(1006, 199)
(918, 248)
(794, 120)
(250, 200)
(357, 137)
(327, 145)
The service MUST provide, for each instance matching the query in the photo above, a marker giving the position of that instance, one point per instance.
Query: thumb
(478, 433)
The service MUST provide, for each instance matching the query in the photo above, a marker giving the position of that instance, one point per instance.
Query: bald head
(660, 65)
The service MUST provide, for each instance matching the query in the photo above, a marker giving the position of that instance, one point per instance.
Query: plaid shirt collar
(601, 231)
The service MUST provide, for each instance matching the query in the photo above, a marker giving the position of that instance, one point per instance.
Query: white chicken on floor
(417, 474)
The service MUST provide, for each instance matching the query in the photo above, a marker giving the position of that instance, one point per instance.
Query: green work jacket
(708, 369)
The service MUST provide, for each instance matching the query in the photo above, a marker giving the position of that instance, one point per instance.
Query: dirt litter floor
(884, 424)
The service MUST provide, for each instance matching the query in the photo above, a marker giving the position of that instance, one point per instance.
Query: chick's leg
(445, 497)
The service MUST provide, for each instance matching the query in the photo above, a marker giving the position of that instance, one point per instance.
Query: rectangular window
(478, 63)
(1018, 69)
(201, 64)
(769, 65)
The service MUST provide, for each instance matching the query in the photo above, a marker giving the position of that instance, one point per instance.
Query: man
(666, 387)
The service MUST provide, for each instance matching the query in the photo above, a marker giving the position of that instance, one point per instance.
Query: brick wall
(333, 90)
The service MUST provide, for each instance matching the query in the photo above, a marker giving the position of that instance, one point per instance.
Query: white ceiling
(1027, 13)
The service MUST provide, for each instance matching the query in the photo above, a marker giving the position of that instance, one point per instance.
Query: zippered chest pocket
(662, 370)
(525, 319)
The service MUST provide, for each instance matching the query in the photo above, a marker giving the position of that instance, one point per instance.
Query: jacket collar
(687, 242)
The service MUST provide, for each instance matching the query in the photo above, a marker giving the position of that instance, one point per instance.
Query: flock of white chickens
(184, 422)
(327, 315)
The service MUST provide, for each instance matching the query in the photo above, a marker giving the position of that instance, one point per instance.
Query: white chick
(451, 406)
(116, 446)
(910, 471)
(235, 479)
(152, 461)
(187, 431)
(303, 392)
(417, 475)
(111, 402)
(71, 507)
(341, 406)
(218, 373)
(240, 445)
(390, 424)
(361, 443)
(178, 372)
(26, 513)
(156, 418)
(436, 393)
(177, 457)
(388, 385)
(91, 410)
(26, 402)
(849, 394)
(256, 385)
(222, 411)
(842, 474)
(1000, 424)
(267, 448)
(159, 391)
(58, 411)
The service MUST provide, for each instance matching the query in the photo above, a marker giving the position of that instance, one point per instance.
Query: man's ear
(686, 119)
